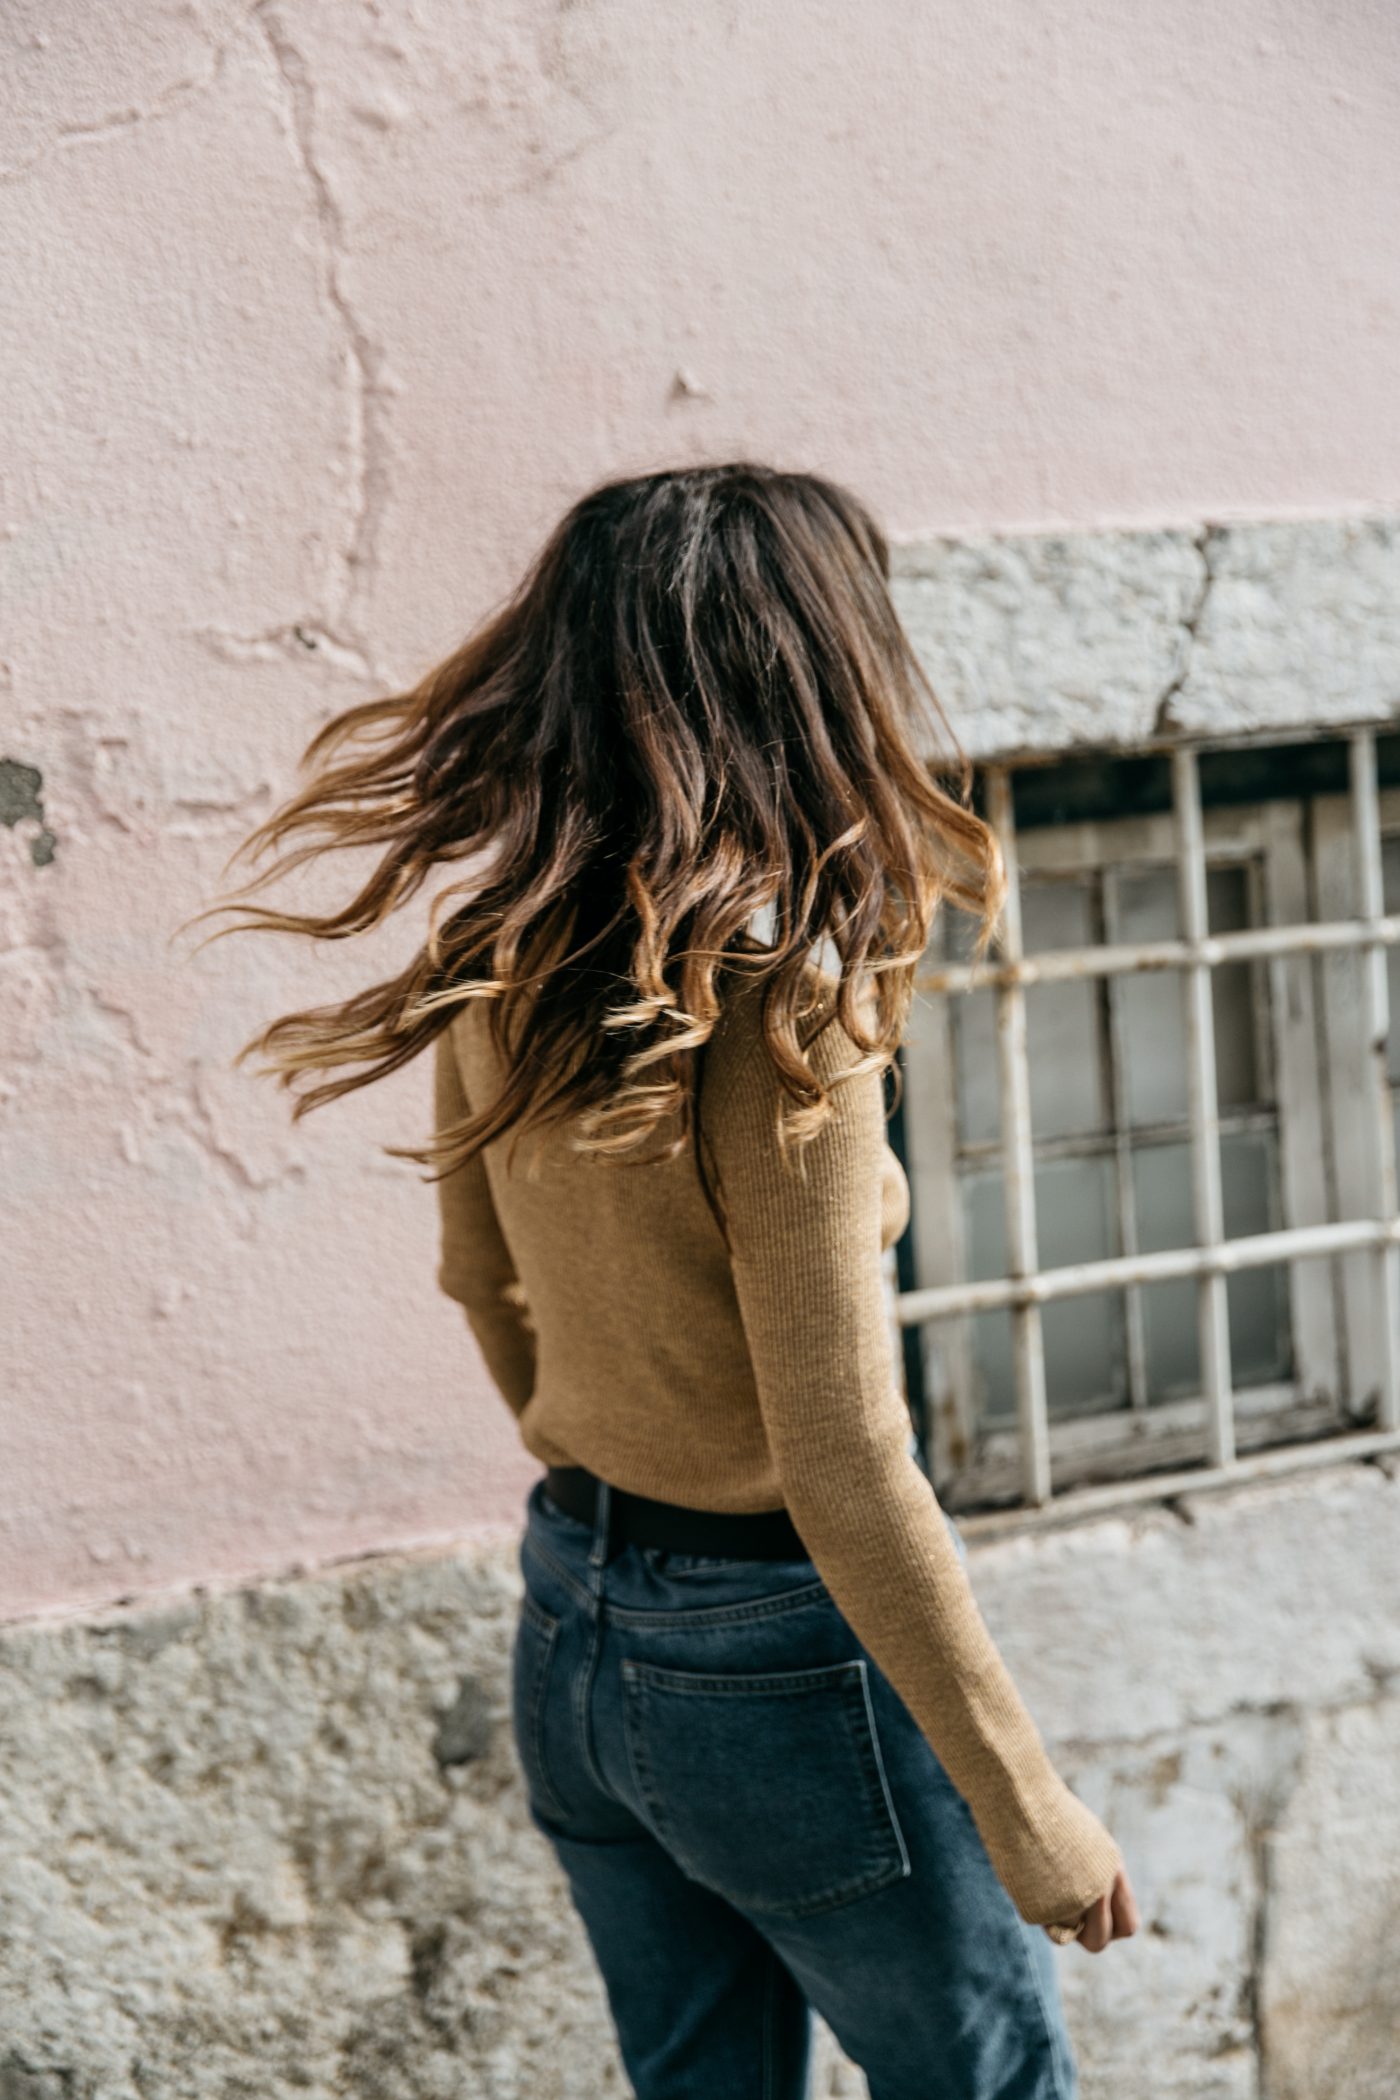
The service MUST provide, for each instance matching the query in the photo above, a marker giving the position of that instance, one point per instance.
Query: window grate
(1195, 956)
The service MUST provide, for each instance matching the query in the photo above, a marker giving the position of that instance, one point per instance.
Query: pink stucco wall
(316, 316)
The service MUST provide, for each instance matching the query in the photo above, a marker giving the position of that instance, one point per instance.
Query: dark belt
(637, 1520)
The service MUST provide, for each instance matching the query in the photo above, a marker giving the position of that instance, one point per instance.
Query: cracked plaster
(61, 88)
(372, 385)
(325, 312)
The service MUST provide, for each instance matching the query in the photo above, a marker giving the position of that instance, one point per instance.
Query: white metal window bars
(1027, 1287)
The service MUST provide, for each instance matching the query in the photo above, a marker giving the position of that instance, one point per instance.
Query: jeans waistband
(625, 1519)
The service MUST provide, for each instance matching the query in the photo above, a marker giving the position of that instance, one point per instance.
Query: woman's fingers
(1113, 1916)
(1124, 1907)
(1098, 1926)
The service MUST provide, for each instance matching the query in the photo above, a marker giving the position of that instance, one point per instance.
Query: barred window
(1155, 1239)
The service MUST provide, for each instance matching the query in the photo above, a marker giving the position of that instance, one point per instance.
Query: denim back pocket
(769, 1789)
(532, 1660)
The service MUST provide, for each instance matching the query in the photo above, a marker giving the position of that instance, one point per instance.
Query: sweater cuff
(1054, 1858)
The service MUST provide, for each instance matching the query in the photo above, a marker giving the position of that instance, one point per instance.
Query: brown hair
(699, 705)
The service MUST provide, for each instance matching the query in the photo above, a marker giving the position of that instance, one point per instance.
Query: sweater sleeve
(805, 1247)
(475, 1265)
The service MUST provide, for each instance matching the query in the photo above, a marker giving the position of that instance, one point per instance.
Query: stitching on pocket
(543, 1621)
(803, 1597)
(641, 1680)
(738, 1685)
(883, 1776)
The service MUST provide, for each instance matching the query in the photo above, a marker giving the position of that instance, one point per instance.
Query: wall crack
(296, 639)
(177, 96)
(1261, 1814)
(369, 390)
(1205, 541)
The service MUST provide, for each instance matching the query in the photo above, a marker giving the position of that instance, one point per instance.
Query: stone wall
(269, 1841)
(1042, 641)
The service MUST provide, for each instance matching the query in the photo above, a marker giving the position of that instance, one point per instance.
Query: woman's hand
(1112, 1917)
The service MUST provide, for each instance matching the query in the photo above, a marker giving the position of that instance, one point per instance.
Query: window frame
(1315, 856)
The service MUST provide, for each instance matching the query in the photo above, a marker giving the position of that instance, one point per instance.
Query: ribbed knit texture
(627, 1339)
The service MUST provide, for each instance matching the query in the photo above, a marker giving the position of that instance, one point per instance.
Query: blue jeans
(752, 1824)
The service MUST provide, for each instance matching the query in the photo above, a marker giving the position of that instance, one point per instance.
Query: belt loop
(602, 1526)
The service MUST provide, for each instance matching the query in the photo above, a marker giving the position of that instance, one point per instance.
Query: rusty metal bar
(1018, 1159)
(1120, 1124)
(1058, 965)
(1196, 955)
(1207, 1195)
(1118, 1272)
(1370, 898)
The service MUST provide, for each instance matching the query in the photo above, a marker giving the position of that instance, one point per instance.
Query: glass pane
(1085, 1357)
(1085, 1351)
(1390, 872)
(1390, 897)
(1258, 1299)
(1063, 1038)
(1237, 1064)
(1068, 1096)
(1151, 1006)
(984, 1225)
(1261, 1338)
(1169, 1335)
(1154, 1009)
(984, 1238)
(1249, 1181)
(975, 1065)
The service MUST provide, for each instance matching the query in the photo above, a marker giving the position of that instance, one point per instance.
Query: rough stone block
(272, 1840)
(1039, 642)
(1150, 1623)
(1329, 1987)
(1300, 626)
(235, 1859)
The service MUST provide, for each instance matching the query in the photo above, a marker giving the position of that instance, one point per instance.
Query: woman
(761, 1721)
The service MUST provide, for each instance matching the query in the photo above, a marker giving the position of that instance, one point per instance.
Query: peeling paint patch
(21, 801)
(19, 792)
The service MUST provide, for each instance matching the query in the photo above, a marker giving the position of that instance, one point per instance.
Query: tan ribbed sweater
(627, 1340)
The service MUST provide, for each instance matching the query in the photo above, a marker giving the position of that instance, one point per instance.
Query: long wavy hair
(697, 710)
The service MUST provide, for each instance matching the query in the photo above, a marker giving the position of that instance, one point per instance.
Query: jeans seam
(811, 1593)
(641, 1774)
(542, 1779)
(1051, 2030)
(583, 1691)
(544, 1621)
(579, 1591)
